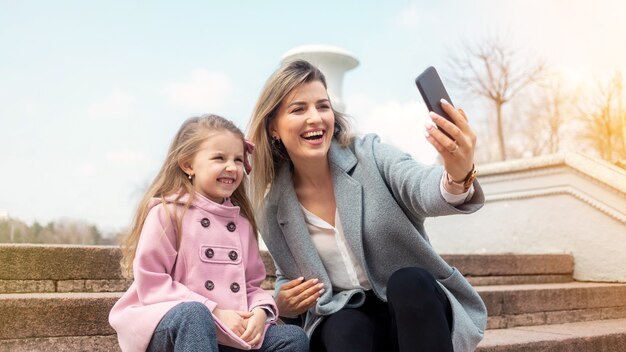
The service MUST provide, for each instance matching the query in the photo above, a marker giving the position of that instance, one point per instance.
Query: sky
(91, 93)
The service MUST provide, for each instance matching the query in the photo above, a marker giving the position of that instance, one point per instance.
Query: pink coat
(217, 264)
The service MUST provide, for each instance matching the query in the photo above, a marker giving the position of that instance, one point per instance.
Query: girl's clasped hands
(248, 326)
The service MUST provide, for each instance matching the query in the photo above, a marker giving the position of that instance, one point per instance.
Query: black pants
(417, 317)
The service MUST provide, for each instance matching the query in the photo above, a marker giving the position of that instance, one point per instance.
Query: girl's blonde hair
(266, 159)
(172, 180)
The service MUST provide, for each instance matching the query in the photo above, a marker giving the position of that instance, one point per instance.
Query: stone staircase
(57, 298)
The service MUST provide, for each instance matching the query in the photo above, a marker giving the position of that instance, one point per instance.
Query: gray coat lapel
(348, 196)
(291, 220)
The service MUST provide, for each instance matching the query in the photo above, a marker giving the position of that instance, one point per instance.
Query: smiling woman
(347, 214)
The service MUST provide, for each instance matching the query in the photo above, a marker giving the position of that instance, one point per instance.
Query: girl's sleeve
(155, 259)
(255, 274)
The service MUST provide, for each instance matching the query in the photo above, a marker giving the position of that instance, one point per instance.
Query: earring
(276, 142)
(190, 177)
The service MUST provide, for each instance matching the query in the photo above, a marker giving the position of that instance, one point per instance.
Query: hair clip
(249, 148)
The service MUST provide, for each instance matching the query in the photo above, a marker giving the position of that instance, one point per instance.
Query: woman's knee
(412, 282)
(348, 322)
(348, 330)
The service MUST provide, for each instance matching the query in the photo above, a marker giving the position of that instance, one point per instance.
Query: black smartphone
(432, 90)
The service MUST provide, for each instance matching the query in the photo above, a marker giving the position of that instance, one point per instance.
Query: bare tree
(604, 116)
(555, 100)
(548, 115)
(494, 71)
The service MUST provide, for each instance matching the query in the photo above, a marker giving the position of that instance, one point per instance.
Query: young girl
(194, 256)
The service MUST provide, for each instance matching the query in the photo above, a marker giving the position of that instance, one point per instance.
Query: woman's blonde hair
(172, 180)
(266, 159)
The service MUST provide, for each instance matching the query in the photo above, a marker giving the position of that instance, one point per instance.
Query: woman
(343, 218)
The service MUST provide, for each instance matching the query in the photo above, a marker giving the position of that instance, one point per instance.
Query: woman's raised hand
(297, 296)
(457, 153)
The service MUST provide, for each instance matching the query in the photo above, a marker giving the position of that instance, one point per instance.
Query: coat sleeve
(155, 259)
(415, 185)
(255, 274)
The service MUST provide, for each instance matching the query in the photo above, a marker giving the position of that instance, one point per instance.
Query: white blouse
(344, 269)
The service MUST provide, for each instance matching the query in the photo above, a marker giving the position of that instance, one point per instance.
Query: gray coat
(382, 196)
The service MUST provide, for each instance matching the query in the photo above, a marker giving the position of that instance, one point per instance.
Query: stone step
(513, 269)
(494, 265)
(494, 269)
(60, 268)
(596, 336)
(491, 269)
(59, 262)
(591, 336)
(538, 304)
(61, 286)
(83, 314)
(95, 343)
(31, 315)
(71, 262)
(71, 268)
(511, 264)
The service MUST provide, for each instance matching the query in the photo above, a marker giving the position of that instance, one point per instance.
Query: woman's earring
(190, 177)
(276, 142)
(278, 148)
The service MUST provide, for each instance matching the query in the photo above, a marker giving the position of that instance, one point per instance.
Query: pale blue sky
(91, 93)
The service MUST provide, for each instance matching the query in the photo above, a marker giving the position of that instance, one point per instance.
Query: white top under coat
(343, 268)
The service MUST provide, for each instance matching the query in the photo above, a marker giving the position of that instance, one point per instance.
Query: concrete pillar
(332, 61)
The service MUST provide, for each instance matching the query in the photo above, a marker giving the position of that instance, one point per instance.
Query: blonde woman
(343, 218)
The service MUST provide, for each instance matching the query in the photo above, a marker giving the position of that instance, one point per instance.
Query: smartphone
(432, 90)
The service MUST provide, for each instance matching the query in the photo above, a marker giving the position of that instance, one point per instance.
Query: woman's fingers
(457, 117)
(461, 122)
(457, 152)
(313, 289)
(306, 293)
(461, 135)
(430, 130)
(446, 142)
(463, 114)
(310, 296)
(304, 287)
(293, 283)
(295, 299)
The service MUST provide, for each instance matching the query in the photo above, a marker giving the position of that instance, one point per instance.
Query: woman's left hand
(458, 153)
